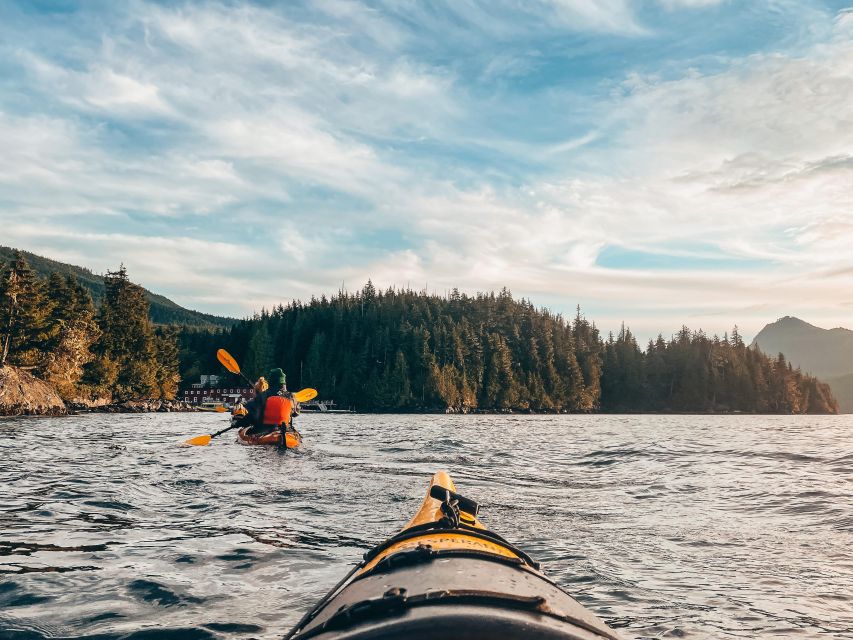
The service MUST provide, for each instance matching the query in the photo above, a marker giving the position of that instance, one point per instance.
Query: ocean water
(665, 526)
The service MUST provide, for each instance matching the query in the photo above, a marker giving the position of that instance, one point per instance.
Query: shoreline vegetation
(412, 352)
(59, 352)
(392, 351)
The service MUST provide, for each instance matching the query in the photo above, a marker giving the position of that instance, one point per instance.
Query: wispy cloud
(467, 144)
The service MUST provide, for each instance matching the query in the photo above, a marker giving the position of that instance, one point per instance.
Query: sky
(658, 162)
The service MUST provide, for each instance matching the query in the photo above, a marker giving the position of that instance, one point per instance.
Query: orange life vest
(277, 411)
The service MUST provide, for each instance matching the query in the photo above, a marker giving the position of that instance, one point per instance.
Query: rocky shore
(22, 394)
(141, 406)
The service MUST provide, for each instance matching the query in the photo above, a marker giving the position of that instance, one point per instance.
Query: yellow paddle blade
(305, 395)
(220, 409)
(199, 441)
(227, 361)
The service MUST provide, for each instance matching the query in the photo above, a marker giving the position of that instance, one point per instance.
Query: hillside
(825, 353)
(842, 389)
(162, 310)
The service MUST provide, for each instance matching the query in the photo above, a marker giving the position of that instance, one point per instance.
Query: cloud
(508, 20)
(603, 15)
(690, 4)
(253, 154)
(98, 88)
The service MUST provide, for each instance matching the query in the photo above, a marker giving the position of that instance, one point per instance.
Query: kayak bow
(446, 576)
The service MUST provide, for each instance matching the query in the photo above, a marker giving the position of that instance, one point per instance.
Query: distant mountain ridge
(162, 310)
(825, 353)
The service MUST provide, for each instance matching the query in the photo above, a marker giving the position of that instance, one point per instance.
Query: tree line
(401, 350)
(51, 327)
(695, 372)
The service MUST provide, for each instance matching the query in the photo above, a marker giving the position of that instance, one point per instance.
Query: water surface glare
(665, 526)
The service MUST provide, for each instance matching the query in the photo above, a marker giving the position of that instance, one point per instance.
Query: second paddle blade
(227, 361)
(199, 441)
(305, 395)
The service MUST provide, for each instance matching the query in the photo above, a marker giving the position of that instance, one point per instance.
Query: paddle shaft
(233, 426)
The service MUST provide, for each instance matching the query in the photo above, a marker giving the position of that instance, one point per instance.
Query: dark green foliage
(26, 330)
(402, 350)
(694, 373)
(259, 356)
(127, 339)
(49, 326)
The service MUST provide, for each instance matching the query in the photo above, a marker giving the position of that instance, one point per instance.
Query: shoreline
(137, 406)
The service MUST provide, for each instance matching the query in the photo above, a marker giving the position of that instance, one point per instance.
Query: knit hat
(276, 376)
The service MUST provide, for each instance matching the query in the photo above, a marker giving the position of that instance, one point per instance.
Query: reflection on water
(666, 526)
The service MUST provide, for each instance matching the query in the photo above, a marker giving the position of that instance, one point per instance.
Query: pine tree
(25, 329)
(166, 362)
(501, 388)
(76, 331)
(126, 362)
(399, 384)
(259, 357)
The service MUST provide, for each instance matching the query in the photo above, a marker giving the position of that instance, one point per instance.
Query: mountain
(825, 353)
(162, 310)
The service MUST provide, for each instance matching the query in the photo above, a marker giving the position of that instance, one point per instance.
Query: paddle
(228, 361)
(305, 395)
(200, 441)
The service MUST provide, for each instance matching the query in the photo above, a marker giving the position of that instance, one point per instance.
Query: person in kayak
(270, 409)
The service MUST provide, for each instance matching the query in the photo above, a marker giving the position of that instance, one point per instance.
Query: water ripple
(666, 526)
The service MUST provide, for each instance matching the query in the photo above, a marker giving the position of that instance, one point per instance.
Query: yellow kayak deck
(431, 512)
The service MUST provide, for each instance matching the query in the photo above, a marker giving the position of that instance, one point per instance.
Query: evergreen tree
(25, 329)
(75, 331)
(126, 362)
(166, 362)
(259, 356)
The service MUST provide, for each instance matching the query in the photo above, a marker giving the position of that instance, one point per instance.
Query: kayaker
(270, 409)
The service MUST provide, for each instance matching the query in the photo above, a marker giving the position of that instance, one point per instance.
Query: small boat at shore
(446, 576)
(216, 407)
(293, 438)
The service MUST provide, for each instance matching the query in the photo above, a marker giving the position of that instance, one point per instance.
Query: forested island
(401, 350)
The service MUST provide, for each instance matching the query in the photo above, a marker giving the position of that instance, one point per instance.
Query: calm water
(678, 526)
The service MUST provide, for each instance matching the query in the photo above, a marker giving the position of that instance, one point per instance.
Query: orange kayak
(294, 438)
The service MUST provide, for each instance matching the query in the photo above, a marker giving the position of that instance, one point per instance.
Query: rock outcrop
(22, 394)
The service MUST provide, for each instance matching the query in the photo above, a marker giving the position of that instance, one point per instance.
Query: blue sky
(659, 162)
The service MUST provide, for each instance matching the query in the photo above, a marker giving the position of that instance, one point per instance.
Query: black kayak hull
(446, 576)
